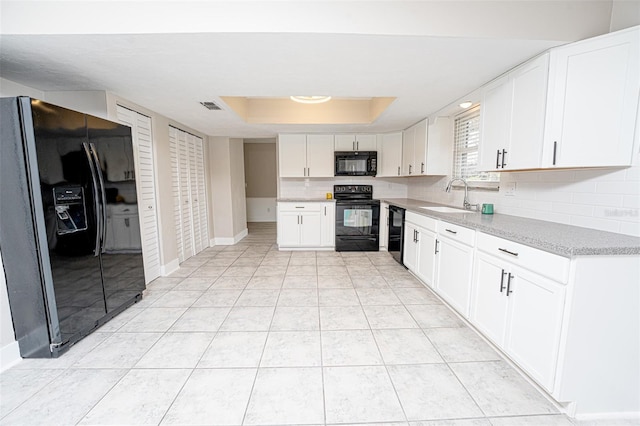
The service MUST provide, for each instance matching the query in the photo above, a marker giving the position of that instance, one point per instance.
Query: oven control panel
(352, 192)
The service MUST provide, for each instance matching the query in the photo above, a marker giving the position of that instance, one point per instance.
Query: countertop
(564, 240)
(305, 200)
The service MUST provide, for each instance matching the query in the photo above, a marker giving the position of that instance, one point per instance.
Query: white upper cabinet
(408, 143)
(353, 142)
(439, 146)
(593, 101)
(512, 118)
(389, 154)
(575, 106)
(302, 155)
(427, 148)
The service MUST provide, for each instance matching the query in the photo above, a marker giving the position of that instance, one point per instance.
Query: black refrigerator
(59, 171)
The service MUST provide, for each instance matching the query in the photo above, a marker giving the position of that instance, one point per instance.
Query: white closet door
(175, 189)
(185, 196)
(202, 194)
(195, 202)
(189, 193)
(146, 188)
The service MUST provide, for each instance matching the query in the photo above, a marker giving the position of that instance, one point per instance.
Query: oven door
(357, 225)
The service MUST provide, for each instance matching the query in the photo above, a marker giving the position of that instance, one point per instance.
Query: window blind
(465, 150)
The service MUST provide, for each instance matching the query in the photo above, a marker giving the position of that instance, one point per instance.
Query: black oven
(356, 163)
(357, 218)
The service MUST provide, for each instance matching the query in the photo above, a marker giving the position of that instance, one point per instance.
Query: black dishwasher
(396, 233)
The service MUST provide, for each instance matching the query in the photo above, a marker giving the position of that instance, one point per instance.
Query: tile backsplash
(318, 188)
(604, 199)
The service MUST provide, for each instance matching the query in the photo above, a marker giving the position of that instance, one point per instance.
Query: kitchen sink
(444, 209)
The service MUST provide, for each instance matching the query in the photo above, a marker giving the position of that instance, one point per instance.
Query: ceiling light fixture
(466, 104)
(310, 99)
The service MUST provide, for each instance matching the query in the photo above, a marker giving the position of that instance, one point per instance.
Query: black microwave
(356, 163)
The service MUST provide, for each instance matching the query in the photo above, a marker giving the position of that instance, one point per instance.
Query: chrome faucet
(467, 205)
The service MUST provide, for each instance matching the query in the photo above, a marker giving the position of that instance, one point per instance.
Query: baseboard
(603, 417)
(170, 267)
(229, 241)
(9, 356)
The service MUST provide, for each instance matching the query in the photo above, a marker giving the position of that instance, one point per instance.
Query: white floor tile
(432, 391)
(212, 397)
(176, 350)
(291, 396)
(217, 298)
(195, 283)
(16, 386)
(556, 420)
(200, 319)
(389, 317)
(121, 350)
(231, 283)
(153, 320)
(177, 299)
(234, 350)
(265, 282)
(429, 316)
(343, 318)
(349, 347)
(406, 346)
(141, 397)
(461, 344)
(377, 296)
(499, 390)
(339, 281)
(65, 401)
(417, 296)
(292, 349)
(298, 297)
(300, 281)
(258, 298)
(338, 297)
(360, 394)
(248, 319)
(295, 318)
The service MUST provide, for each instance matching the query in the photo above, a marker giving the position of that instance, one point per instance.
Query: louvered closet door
(175, 189)
(185, 196)
(202, 194)
(195, 202)
(146, 187)
(189, 193)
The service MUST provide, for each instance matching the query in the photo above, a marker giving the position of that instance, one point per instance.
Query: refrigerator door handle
(103, 195)
(94, 179)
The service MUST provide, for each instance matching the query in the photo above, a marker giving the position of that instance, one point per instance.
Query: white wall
(226, 159)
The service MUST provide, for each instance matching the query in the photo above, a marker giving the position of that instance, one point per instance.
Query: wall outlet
(510, 189)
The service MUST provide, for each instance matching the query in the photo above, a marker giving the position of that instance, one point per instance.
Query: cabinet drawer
(300, 207)
(457, 233)
(539, 261)
(422, 221)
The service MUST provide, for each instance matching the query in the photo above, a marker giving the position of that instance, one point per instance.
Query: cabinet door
(528, 105)
(310, 229)
(426, 263)
(320, 158)
(420, 148)
(495, 115)
(292, 155)
(593, 101)
(408, 142)
(389, 154)
(489, 298)
(440, 146)
(535, 322)
(410, 248)
(454, 274)
(384, 224)
(366, 142)
(288, 229)
(345, 142)
(328, 225)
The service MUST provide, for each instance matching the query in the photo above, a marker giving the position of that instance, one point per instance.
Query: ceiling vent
(211, 105)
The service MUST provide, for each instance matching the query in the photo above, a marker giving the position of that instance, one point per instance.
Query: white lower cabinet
(420, 246)
(306, 225)
(454, 264)
(519, 310)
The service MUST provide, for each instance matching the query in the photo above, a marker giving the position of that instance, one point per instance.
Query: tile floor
(250, 335)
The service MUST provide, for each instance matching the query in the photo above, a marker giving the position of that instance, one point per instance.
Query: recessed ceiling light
(466, 104)
(310, 99)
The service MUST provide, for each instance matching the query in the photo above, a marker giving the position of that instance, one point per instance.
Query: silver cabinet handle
(508, 252)
(398, 170)
(422, 168)
(449, 230)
